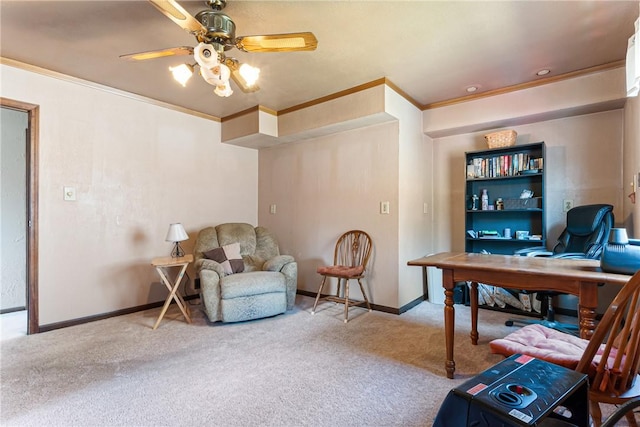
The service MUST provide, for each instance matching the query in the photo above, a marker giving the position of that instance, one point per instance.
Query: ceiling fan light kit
(205, 55)
(216, 33)
(211, 70)
(249, 74)
(223, 90)
(182, 73)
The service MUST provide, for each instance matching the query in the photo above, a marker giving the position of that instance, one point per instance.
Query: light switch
(272, 209)
(69, 193)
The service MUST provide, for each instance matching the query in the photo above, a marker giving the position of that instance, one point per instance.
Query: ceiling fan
(216, 34)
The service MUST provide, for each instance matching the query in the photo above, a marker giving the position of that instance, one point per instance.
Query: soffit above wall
(584, 94)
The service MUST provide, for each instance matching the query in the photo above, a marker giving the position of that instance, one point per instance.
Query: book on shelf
(503, 166)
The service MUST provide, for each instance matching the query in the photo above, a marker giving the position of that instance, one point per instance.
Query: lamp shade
(249, 74)
(176, 233)
(618, 236)
(223, 90)
(217, 75)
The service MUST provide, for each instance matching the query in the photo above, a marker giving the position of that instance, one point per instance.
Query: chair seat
(350, 258)
(341, 271)
(548, 344)
(610, 356)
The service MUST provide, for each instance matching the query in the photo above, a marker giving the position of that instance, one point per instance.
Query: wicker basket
(504, 138)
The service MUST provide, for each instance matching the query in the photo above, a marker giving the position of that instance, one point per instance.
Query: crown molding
(65, 77)
(522, 86)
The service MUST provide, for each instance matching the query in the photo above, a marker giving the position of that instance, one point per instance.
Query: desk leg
(588, 302)
(474, 313)
(449, 320)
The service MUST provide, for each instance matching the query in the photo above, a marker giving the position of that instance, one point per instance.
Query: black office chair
(585, 235)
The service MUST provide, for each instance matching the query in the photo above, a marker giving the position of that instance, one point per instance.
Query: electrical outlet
(567, 204)
(384, 207)
(272, 209)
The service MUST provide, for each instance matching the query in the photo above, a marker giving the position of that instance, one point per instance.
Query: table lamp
(176, 234)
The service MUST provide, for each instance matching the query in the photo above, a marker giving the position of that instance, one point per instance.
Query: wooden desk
(572, 276)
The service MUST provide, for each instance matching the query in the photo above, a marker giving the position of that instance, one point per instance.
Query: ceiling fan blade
(277, 42)
(172, 10)
(234, 67)
(152, 54)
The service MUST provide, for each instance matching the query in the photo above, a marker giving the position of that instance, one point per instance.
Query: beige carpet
(295, 369)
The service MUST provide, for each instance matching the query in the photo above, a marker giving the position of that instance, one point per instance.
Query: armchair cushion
(252, 283)
(228, 257)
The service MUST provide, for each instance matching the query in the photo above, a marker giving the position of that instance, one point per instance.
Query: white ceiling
(431, 50)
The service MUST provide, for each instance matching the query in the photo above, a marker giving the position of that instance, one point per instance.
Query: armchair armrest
(209, 264)
(277, 263)
(288, 266)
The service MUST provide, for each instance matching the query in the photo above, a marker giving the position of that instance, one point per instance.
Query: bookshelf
(508, 222)
(513, 216)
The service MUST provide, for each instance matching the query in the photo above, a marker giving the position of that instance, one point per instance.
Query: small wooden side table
(162, 266)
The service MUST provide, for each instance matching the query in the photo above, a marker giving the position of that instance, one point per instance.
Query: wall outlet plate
(567, 204)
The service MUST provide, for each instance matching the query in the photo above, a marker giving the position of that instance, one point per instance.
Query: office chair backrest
(587, 230)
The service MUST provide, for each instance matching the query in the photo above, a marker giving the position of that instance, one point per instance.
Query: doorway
(29, 211)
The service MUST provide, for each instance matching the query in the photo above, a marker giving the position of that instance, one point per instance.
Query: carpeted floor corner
(295, 369)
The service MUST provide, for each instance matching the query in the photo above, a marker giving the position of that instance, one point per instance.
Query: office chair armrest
(570, 255)
(533, 252)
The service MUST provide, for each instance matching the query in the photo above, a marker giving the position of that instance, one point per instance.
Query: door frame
(33, 112)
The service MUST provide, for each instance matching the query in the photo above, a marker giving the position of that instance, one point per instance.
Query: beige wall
(583, 158)
(323, 187)
(584, 154)
(137, 167)
(415, 196)
(631, 165)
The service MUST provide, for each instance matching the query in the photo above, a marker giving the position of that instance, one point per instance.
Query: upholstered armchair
(242, 274)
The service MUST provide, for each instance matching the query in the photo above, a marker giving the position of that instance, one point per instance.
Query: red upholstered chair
(611, 358)
(350, 259)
